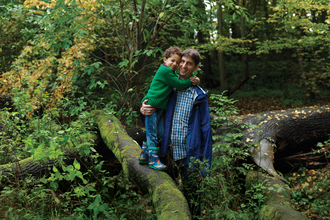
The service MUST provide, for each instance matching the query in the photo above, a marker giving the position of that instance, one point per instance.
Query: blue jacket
(199, 137)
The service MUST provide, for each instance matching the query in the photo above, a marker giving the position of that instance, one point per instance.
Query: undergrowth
(78, 186)
(311, 187)
(223, 192)
(74, 183)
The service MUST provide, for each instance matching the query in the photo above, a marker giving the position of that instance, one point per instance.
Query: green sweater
(161, 86)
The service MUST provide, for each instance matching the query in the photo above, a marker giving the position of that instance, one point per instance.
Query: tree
(93, 44)
(301, 29)
(221, 62)
(15, 21)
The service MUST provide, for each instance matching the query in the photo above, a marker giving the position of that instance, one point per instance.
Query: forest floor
(256, 104)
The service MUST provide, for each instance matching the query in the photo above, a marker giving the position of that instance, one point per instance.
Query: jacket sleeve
(206, 135)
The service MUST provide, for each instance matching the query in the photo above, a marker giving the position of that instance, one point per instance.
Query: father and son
(177, 119)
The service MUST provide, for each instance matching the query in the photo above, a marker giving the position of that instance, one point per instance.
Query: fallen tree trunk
(283, 133)
(276, 198)
(167, 198)
(31, 167)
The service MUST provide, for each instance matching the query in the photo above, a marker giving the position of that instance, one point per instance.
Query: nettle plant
(223, 192)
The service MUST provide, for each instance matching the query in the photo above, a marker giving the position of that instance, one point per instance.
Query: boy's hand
(195, 80)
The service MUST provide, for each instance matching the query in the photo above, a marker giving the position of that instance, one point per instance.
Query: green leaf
(96, 65)
(72, 175)
(55, 169)
(76, 164)
(227, 139)
(54, 185)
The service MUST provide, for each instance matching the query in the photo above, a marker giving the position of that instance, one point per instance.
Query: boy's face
(187, 67)
(173, 61)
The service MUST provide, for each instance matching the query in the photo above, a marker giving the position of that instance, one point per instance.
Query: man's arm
(147, 110)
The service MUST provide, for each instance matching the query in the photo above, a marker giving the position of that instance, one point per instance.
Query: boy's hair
(172, 50)
(194, 54)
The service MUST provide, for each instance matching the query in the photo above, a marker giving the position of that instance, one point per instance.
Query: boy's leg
(144, 154)
(160, 126)
(157, 126)
(151, 125)
(151, 135)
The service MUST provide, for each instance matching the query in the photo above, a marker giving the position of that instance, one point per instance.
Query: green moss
(170, 202)
(131, 151)
(124, 165)
(22, 163)
(164, 175)
(152, 177)
(279, 212)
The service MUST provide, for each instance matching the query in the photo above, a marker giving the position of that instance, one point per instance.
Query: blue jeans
(154, 128)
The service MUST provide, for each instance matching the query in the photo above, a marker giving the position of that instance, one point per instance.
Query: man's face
(187, 67)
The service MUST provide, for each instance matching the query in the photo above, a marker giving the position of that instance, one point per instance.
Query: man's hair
(172, 50)
(190, 52)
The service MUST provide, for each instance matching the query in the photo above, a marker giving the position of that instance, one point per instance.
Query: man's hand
(195, 80)
(147, 110)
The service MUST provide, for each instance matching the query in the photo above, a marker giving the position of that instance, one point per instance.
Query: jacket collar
(200, 93)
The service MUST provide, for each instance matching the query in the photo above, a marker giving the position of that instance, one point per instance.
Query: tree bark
(202, 36)
(246, 73)
(221, 59)
(167, 198)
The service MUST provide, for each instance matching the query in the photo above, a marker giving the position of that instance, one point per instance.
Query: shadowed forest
(62, 59)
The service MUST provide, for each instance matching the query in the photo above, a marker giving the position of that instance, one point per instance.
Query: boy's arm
(195, 80)
(172, 80)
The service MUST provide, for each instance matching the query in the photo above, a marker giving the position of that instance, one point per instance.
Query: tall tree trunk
(266, 61)
(206, 62)
(246, 74)
(106, 57)
(221, 62)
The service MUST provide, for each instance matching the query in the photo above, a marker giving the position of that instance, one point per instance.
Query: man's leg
(172, 168)
(190, 187)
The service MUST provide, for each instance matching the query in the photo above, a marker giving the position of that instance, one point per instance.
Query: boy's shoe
(154, 161)
(144, 154)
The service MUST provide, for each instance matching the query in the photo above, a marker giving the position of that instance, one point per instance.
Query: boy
(158, 95)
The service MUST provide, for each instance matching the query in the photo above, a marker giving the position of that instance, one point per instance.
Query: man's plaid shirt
(182, 110)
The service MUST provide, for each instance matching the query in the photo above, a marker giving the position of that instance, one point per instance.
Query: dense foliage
(61, 58)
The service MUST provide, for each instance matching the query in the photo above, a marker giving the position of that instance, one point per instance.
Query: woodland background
(60, 59)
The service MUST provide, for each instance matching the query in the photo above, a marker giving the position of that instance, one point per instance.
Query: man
(187, 132)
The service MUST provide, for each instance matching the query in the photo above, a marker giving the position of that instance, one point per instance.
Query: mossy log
(167, 198)
(31, 167)
(26, 167)
(277, 200)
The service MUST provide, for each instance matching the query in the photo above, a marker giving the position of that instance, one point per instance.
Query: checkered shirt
(182, 110)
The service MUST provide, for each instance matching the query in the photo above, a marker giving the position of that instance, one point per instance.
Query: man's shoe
(154, 161)
(144, 154)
